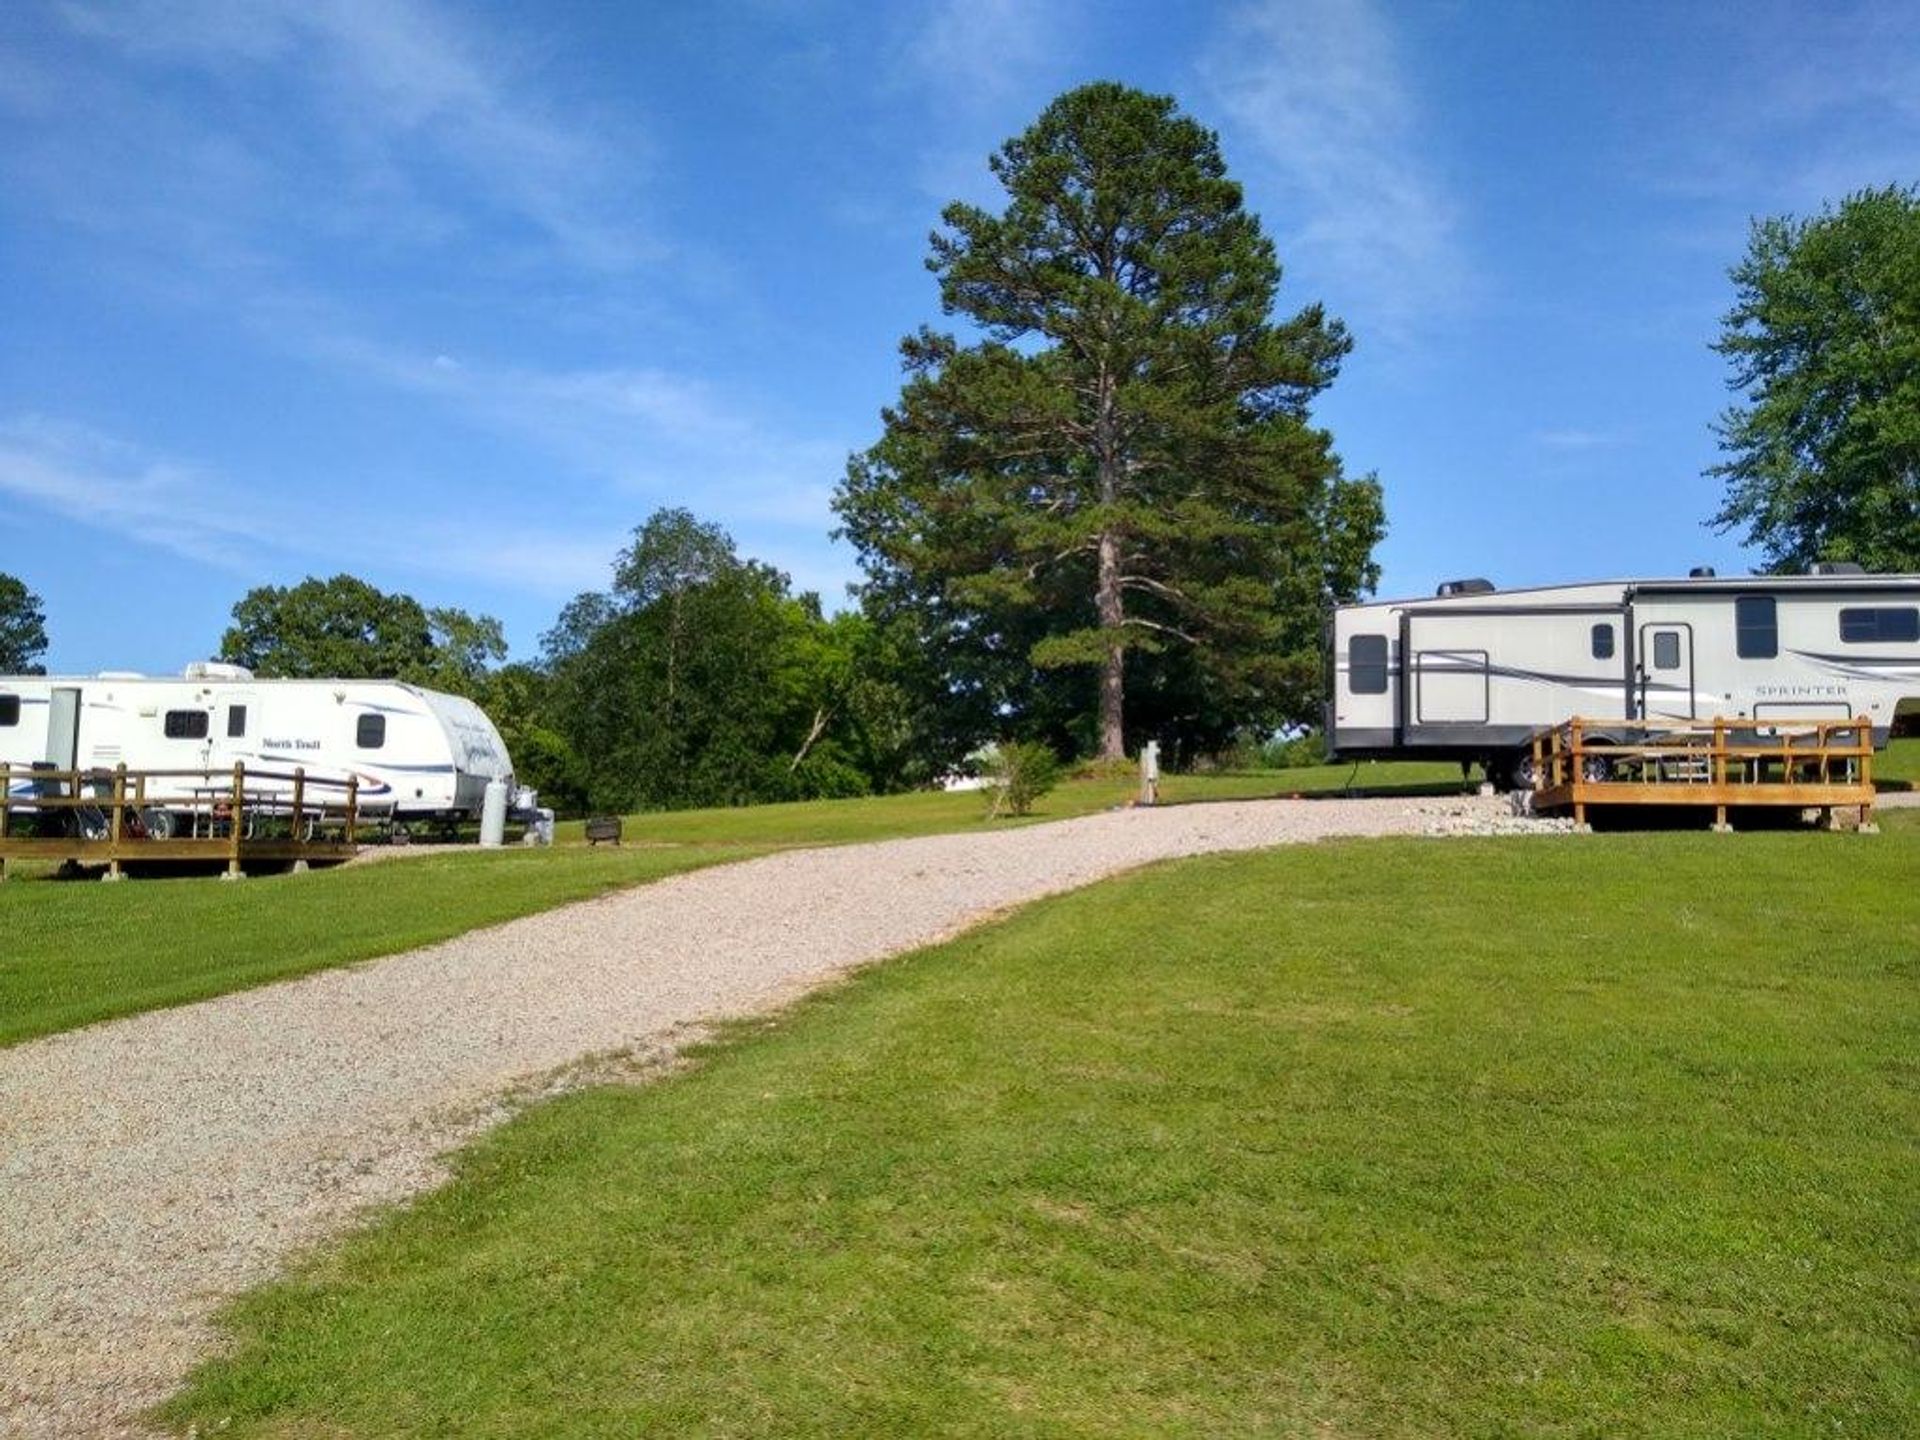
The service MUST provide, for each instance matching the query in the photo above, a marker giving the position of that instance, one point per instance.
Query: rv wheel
(160, 824)
(1522, 773)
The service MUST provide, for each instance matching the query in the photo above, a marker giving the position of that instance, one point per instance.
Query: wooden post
(1864, 739)
(6, 804)
(236, 805)
(353, 806)
(117, 818)
(299, 807)
(1150, 773)
(1577, 765)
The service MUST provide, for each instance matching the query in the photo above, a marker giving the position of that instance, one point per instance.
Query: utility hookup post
(1150, 773)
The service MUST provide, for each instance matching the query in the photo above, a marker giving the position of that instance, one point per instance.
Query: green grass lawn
(885, 817)
(1899, 765)
(77, 952)
(1317, 1141)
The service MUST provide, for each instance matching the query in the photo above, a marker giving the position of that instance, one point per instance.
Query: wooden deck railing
(1814, 764)
(104, 815)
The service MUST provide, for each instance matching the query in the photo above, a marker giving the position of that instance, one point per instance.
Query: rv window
(371, 732)
(236, 721)
(186, 724)
(1603, 642)
(9, 709)
(1666, 649)
(1892, 625)
(1756, 634)
(1367, 664)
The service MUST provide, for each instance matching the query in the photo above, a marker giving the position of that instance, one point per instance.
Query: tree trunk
(1113, 740)
(821, 718)
(1108, 601)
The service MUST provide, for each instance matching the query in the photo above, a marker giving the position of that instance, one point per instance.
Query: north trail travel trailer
(1472, 673)
(419, 755)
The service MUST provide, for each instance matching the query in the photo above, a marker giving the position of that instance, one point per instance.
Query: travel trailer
(419, 755)
(1472, 673)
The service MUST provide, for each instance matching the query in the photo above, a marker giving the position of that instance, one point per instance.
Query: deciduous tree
(700, 678)
(465, 650)
(1115, 478)
(1824, 341)
(347, 627)
(23, 628)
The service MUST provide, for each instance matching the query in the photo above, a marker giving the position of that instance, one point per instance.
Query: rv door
(1665, 670)
(186, 733)
(63, 728)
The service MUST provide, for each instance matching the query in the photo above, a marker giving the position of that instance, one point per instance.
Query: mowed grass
(77, 952)
(884, 817)
(1598, 1136)
(1898, 766)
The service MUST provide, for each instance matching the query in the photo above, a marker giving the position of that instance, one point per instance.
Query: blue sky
(453, 296)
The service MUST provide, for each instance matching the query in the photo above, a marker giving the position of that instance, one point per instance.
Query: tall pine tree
(1116, 476)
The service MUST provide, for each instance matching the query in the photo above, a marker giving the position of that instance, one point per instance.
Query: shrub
(1291, 752)
(1100, 769)
(1018, 775)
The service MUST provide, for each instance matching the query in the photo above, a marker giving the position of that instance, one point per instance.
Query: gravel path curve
(153, 1166)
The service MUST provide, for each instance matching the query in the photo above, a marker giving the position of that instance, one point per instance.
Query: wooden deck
(1728, 764)
(101, 817)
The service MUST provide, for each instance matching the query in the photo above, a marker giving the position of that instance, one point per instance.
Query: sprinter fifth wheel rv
(418, 755)
(1473, 672)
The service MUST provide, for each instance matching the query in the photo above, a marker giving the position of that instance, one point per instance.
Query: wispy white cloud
(983, 69)
(1577, 439)
(1813, 102)
(654, 435)
(96, 481)
(1315, 97)
(977, 52)
(250, 529)
(402, 94)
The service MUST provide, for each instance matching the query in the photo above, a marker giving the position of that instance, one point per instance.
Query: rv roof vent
(1474, 586)
(1835, 567)
(1702, 572)
(119, 675)
(215, 670)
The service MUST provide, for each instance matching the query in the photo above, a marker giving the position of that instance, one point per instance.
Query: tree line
(1099, 511)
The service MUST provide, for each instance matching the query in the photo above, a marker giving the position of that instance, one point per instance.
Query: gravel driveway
(151, 1167)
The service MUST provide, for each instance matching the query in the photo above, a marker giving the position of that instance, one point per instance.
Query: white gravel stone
(154, 1166)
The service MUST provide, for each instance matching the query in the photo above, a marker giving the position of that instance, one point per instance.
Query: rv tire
(1597, 769)
(1520, 772)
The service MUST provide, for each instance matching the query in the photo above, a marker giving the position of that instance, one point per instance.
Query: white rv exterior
(1472, 673)
(418, 754)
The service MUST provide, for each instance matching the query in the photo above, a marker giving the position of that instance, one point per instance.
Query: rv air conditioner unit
(1836, 567)
(1474, 586)
(1702, 572)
